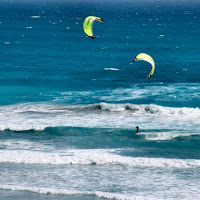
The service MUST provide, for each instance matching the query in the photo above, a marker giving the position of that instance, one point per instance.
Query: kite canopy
(147, 58)
(88, 25)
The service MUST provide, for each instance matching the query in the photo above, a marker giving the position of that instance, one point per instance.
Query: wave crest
(151, 109)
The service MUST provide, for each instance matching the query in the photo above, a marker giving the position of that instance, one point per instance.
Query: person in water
(137, 129)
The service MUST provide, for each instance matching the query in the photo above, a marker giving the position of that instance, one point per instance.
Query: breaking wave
(91, 157)
(22, 117)
(135, 108)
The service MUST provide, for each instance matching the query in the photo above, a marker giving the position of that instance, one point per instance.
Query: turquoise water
(69, 105)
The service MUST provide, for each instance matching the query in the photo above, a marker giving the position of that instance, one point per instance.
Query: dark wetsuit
(137, 129)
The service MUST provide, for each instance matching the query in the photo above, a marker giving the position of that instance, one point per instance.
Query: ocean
(69, 104)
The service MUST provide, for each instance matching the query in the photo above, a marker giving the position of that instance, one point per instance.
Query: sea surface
(69, 105)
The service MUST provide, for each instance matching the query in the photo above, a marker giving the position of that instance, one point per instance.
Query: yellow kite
(148, 58)
(88, 25)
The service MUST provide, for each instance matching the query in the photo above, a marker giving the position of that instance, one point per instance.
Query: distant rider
(137, 129)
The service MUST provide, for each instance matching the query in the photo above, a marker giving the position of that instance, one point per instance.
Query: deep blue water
(69, 105)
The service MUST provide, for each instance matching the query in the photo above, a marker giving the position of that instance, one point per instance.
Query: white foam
(35, 17)
(113, 107)
(13, 144)
(43, 190)
(91, 156)
(113, 69)
(161, 92)
(168, 135)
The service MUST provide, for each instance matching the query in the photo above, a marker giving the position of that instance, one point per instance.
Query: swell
(126, 134)
(43, 190)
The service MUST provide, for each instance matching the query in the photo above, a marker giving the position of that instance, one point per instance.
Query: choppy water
(69, 105)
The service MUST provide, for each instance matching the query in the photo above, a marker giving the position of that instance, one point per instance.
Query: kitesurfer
(137, 129)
